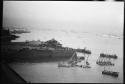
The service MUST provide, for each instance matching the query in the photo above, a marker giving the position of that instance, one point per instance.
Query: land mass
(34, 51)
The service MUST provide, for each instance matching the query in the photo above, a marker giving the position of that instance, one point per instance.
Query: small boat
(82, 58)
(114, 74)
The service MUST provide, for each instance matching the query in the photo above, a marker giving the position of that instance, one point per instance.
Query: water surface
(48, 72)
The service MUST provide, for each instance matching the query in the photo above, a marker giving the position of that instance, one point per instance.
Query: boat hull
(105, 63)
(114, 74)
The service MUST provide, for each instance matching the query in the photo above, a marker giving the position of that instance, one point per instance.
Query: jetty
(84, 51)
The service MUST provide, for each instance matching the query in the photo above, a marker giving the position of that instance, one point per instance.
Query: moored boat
(114, 74)
(105, 63)
(108, 56)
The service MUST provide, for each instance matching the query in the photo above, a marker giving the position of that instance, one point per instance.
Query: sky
(64, 20)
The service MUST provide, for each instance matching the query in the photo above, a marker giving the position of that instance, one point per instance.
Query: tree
(53, 43)
(6, 36)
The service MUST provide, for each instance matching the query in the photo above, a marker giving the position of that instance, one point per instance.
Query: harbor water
(98, 27)
(49, 72)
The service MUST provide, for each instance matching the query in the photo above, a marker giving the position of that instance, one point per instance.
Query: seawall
(40, 55)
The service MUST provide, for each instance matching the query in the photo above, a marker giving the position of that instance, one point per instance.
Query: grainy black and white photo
(62, 42)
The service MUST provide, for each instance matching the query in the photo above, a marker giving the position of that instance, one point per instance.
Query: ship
(108, 56)
(111, 73)
(104, 62)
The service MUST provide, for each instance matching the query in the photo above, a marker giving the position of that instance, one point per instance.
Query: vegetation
(24, 53)
(53, 43)
(6, 36)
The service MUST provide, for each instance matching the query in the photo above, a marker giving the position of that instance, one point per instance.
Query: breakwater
(39, 55)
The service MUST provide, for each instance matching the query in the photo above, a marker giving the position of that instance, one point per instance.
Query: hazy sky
(58, 18)
(86, 16)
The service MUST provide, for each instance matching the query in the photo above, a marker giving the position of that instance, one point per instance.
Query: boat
(111, 73)
(105, 63)
(108, 56)
(82, 58)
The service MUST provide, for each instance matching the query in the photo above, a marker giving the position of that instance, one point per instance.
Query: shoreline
(40, 61)
(35, 55)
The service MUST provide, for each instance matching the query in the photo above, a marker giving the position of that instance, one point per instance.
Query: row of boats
(107, 62)
(104, 60)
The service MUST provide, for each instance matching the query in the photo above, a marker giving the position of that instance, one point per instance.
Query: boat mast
(87, 58)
